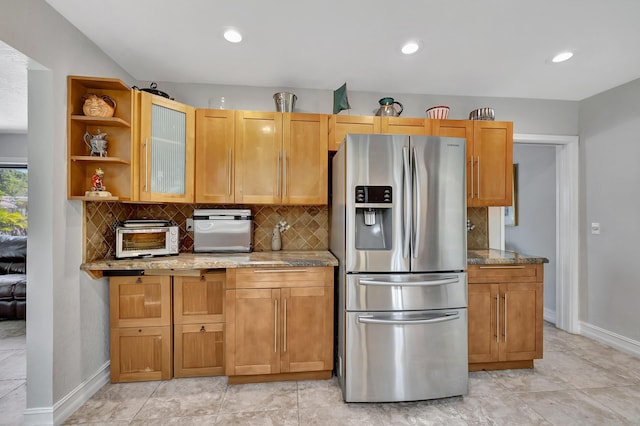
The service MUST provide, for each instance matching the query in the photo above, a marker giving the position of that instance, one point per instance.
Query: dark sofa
(13, 277)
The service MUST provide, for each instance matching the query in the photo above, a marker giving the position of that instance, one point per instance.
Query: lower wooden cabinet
(275, 324)
(140, 317)
(279, 324)
(505, 316)
(140, 354)
(198, 350)
(198, 318)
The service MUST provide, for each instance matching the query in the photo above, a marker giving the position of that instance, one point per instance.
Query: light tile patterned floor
(579, 382)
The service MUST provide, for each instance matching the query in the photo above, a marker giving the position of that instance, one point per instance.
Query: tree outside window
(13, 200)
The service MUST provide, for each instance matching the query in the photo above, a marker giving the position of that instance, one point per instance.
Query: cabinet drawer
(280, 277)
(505, 273)
(198, 350)
(140, 301)
(199, 300)
(140, 354)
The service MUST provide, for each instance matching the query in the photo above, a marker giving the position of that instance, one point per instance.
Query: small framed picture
(511, 212)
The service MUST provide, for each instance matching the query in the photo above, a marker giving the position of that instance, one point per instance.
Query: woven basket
(98, 106)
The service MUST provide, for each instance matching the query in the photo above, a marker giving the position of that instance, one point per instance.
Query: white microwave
(146, 238)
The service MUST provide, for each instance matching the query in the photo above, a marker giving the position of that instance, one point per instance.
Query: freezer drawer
(395, 356)
(404, 292)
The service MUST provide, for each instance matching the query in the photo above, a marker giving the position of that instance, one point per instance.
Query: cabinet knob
(139, 280)
(202, 329)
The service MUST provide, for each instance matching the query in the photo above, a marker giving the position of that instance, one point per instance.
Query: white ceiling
(495, 48)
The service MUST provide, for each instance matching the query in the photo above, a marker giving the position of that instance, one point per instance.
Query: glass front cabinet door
(167, 146)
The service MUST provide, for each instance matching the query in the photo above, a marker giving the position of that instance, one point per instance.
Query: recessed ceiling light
(233, 36)
(410, 47)
(561, 57)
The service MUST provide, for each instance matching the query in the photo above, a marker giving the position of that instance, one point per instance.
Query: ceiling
(494, 48)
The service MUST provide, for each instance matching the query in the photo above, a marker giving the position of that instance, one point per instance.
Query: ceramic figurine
(98, 189)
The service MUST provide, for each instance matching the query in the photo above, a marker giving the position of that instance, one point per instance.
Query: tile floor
(579, 382)
(13, 372)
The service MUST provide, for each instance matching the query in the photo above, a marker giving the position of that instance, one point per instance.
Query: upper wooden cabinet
(167, 149)
(117, 165)
(215, 156)
(491, 164)
(406, 126)
(489, 158)
(340, 125)
(280, 158)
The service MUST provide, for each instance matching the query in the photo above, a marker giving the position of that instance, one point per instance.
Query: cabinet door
(167, 138)
(484, 334)
(522, 308)
(198, 350)
(307, 329)
(215, 140)
(198, 300)
(252, 332)
(493, 163)
(140, 301)
(406, 126)
(140, 354)
(459, 129)
(258, 157)
(305, 159)
(340, 125)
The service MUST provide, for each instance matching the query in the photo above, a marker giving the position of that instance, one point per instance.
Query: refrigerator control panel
(373, 194)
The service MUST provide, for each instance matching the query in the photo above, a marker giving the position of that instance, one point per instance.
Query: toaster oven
(222, 231)
(146, 238)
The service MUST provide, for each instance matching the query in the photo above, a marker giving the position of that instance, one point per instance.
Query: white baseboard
(549, 316)
(66, 406)
(610, 338)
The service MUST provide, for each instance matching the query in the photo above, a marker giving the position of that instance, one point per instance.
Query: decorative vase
(276, 240)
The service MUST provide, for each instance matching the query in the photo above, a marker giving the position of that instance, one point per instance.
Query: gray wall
(67, 315)
(536, 230)
(610, 182)
(528, 115)
(13, 147)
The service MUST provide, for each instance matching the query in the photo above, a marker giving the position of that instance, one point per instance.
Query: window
(13, 200)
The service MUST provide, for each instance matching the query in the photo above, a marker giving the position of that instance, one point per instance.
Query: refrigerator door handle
(407, 204)
(443, 281)
(417, 204)
(370, 319)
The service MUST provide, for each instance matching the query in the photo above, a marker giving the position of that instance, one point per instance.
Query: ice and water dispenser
(373, 217)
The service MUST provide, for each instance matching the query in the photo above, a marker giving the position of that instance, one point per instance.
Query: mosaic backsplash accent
(309, 225)
(309, 228)
(478, 238)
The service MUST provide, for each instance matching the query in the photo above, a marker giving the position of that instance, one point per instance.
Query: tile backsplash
(309, 225)
(309, 228)
(478, 238)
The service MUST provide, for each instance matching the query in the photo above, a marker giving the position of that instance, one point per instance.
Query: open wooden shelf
(101, 121)
(86, 198)
(94, 159)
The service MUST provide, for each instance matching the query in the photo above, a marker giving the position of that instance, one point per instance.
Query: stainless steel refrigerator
(398, 229)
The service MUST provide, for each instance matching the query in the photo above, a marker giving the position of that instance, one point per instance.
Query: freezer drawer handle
(370, 319)
(444, 281)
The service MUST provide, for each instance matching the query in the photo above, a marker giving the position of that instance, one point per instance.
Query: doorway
(567, 225)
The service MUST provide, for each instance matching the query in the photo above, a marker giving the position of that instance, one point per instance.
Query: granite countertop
(497, 257)
(195, 261)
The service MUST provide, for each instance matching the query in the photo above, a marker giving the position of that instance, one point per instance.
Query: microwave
(146, 238)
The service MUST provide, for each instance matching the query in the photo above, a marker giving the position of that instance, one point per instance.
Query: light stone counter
(191, 262)
(501, 257)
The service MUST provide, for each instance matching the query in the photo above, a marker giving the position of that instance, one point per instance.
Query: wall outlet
(189, 224)
(595, 228)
